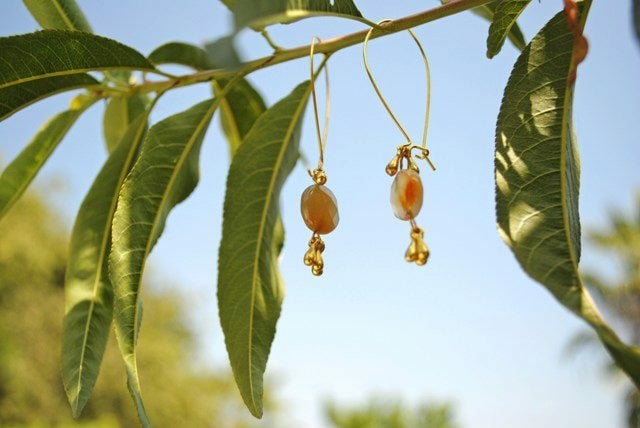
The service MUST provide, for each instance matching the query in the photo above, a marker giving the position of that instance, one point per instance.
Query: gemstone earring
(318, 204)
(406, 189)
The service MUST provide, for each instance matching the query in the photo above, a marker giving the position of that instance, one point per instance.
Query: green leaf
(18, 174)
(50, 53)
(165, 174)
(58, 15)
(88, 290)
(505, 15)
(17, 97)
(118, 116)
(66, 15)
(487, 11)
(228, 3)
(537, 178)
(242, 104)
(181, 53)
(239, 110)
(250, 290)
(223, 54)
(260, 14)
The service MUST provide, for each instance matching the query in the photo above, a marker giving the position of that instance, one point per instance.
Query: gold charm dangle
(318, 204)
(418, 252)
(406, 190)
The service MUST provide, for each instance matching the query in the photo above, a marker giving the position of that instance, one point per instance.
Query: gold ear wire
(322, 137)
(318, 204)
(423, 147)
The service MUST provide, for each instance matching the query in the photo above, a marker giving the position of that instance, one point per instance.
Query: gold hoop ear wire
(322, 136)
(423, 54)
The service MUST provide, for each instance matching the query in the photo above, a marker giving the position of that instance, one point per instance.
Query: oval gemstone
(406, 194)
(319, 209)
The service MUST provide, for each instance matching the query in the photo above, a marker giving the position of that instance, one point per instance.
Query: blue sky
(470, 326)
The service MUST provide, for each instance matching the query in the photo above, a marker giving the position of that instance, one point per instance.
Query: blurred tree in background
(620, 296)
(32, 262)
(390, 413)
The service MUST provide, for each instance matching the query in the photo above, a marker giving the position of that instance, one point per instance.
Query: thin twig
(328, 46)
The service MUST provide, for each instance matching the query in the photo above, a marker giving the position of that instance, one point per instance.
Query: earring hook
(423, 54)
(322, 136)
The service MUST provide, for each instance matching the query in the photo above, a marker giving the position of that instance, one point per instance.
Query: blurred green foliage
(620, 295)
(390, 413)
(32, 261)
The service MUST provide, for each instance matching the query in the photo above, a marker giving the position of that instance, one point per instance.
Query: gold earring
(318, 204)
(406, 189)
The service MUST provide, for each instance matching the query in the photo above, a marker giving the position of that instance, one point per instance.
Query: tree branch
(328, 46)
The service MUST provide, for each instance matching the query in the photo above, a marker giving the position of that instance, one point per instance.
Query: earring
(406, 189)
(318, 204)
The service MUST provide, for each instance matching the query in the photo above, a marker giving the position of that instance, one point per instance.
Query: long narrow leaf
(165, 174)
(242, 104)
(119, 114)
(260, 14)
(51, 53)
(487, 11)
(58, 14)
(537, 178)
(181, 53)
(88, 290)
(505, 15)
(17, 97)
(20, 173)
(250, 290)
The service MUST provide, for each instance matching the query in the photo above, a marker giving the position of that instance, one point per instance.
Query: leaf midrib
(225, 109)
(155, 222)
(63, 15)
(47, 95)
(63, 132)
(263, 217)
(568, 98)
(103, 252)
(70, 72)
(511, 21)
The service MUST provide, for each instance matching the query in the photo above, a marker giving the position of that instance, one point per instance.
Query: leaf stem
(276, 47)
(328, 46)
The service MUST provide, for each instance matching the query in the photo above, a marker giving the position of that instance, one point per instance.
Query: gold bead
(319, 209)
(319, 176)
(392, 166)
(308, 256)
(406, 194)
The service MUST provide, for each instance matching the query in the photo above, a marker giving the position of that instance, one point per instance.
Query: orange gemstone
(319, 209)
(406, 194)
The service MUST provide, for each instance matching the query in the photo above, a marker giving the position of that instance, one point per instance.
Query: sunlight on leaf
(88, 290)
(537, 207)
(165, 174)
